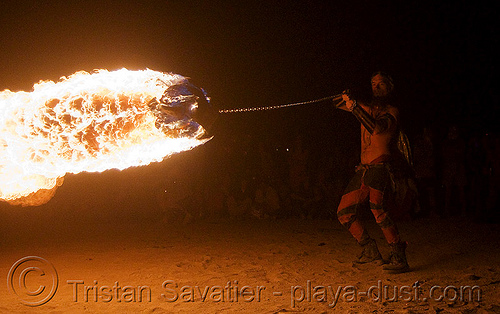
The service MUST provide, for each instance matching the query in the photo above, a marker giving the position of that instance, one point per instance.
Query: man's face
(380, 86)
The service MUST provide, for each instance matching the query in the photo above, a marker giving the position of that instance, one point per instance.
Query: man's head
(382, 85)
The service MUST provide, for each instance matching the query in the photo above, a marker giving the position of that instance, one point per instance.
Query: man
(372, 181)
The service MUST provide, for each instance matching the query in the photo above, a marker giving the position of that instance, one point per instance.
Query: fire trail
(93, 122)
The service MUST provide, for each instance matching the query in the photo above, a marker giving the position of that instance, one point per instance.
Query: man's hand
(349, 103)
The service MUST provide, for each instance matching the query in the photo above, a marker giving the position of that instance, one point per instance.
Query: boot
(397, 261)
(370, 252)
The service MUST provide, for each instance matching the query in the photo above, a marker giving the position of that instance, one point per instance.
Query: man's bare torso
(379, 143)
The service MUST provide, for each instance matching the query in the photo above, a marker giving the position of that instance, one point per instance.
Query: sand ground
(145, 264)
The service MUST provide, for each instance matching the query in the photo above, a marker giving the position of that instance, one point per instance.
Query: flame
(85, 122)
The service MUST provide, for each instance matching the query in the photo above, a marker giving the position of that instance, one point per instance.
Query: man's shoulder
(393, 111)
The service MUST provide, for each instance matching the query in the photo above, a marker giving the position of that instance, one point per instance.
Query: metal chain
(336, 97)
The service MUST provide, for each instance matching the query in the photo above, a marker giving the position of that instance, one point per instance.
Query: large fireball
(92, 122)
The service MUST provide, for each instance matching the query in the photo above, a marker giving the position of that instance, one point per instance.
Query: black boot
(370, 252)
(397, 260)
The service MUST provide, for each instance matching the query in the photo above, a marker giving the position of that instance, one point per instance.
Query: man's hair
(386, 76)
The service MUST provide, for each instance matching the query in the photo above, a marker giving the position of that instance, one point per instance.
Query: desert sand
(140, 262)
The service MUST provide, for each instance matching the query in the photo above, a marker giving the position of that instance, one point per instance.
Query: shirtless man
(379, 133)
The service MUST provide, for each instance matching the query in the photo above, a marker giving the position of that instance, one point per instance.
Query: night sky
(260, 53)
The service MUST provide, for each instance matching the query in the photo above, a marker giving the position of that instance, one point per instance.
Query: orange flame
(85, 122)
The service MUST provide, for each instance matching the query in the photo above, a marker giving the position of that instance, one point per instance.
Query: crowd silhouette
(248, 177)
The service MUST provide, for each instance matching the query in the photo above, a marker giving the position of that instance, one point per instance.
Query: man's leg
(355, 194)
(378, 180)
(382, 218)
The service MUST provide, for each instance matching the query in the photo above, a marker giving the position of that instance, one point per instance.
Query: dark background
(261, 53)
(258, 53)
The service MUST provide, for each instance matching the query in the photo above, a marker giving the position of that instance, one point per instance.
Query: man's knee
(346, 220)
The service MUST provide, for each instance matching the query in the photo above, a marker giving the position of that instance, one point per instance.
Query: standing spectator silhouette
(477, 174)
(494, 179)
(424, 164)
(298, 165)
(453, 176)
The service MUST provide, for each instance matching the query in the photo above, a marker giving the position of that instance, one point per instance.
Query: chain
(336, 97)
